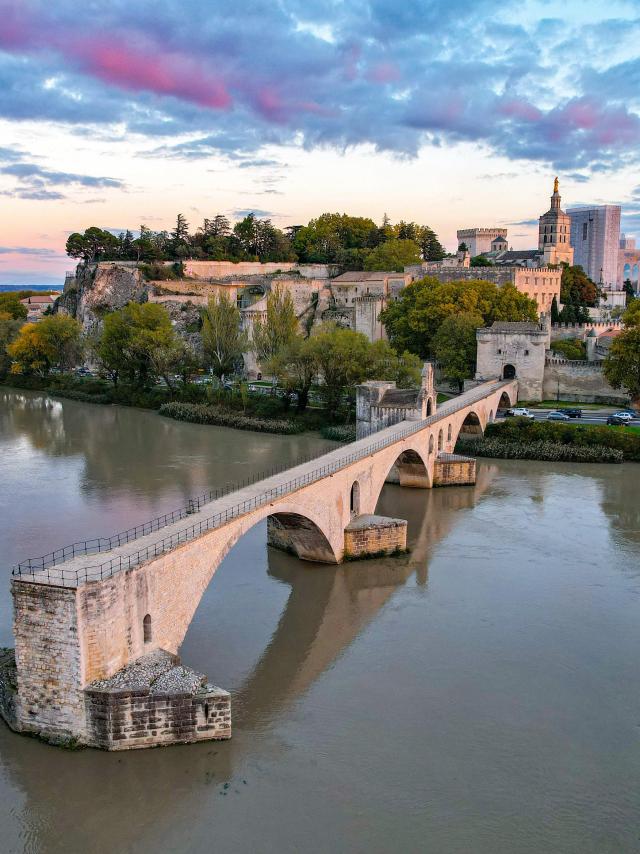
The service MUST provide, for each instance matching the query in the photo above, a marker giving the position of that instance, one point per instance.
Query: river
(481, 694)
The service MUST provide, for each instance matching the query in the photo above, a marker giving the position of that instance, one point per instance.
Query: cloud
(34, 182)
(320, 74)
(240, 213)
(28, 250)
(525, 222)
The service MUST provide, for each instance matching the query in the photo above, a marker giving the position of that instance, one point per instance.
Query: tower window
(146, 628)
(585, 229)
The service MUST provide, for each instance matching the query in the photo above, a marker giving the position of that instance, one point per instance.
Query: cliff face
(99, 288)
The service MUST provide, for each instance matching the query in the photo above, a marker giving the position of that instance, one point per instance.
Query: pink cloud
(141, 69)
(520, 109)
(383, 72)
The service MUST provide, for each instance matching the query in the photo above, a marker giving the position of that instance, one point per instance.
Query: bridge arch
(505, 401)
(354, 499)
(472, 425)
(408, 469)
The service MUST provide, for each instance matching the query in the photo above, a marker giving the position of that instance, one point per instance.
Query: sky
(451, 113)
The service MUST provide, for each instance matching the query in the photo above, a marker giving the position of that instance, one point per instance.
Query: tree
(10, 304)
(139, 343)
(432, 249)
(385, 364)
(454, 345)
(9, 328)
(413, 319)
(296, 366)
(335, 238)
(342, 357)
(555, 314)
(570, 348)
(92, 245)
(224, 341)
(576, 287)
(279, 327)
(55, 342)
(628, 289)
(480, 261)
(393, 255)
(622, 365)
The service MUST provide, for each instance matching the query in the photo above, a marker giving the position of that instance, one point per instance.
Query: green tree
(342, 356)
(95, 243)
(296, 366)
(393, 255)
(555, 314)
(279, 327)
(10, 304)
(454, 345)
(628, 289)
(430, 246)
(622, 365)
(138, 343)
(480, 261)
(55, 342)
(414, 318)
(335, 238)
(576, 287)
(383, 363)
(570, 348)
(223, 339)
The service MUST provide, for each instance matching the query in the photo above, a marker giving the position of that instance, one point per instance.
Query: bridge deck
(101, 563)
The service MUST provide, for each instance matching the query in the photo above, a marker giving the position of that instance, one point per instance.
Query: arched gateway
(83, 623)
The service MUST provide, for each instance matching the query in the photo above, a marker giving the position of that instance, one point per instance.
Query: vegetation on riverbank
(198, 413)
(520, 438)
(548, 451)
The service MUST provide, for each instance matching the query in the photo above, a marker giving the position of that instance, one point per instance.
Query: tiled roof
(399, 397)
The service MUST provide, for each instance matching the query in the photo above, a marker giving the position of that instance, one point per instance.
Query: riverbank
(195, 403)
(523, 439)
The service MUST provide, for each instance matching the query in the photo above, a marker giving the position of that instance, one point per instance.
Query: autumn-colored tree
(54, 342)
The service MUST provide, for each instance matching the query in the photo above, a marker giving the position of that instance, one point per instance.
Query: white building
(595, 237)
(479, 240)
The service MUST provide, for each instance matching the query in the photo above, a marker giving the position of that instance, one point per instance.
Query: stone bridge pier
(97, 635)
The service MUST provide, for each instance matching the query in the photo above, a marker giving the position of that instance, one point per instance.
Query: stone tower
(554, 232)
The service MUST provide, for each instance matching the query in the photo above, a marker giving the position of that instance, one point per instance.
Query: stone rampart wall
(579, 381)
(561, 331)
(222, 269)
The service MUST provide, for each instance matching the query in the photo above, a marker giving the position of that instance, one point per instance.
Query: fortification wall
(224, 269)
(579, 381)
(561, 331)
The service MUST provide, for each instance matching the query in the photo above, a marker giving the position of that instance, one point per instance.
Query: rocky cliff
(100, 288)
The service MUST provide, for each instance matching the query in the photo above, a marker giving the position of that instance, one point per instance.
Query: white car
(626, 416)
(521, 412)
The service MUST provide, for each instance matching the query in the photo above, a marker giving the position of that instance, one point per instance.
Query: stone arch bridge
(98, 625)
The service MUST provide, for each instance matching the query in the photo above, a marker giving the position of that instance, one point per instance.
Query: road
(589, 416)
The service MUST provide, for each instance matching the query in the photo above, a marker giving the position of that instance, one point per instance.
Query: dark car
(573, 412)
(615, 419)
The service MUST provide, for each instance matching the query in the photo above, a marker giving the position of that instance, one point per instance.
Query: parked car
(518, 412)
(558, 415)
(617, 420)
(573, 412)
(624, 415)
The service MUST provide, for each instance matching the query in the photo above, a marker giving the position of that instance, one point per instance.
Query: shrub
(523, 430)
(570, 348)
(539, 450)
(197, 413)
(339, 432)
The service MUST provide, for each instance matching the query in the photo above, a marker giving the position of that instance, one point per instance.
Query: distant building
(554, 233)
(359, 297)
(628, 262)
(595, 238)
(479, 240)
(37, 305)
(509, 350)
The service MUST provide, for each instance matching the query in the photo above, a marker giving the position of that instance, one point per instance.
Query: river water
(481, 694)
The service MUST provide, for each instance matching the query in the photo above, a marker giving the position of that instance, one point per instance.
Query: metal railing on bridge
(48, 569)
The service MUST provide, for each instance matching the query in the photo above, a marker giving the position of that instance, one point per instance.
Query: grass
(442, 397)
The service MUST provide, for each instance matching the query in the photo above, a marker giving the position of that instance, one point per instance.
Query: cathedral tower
(554, 232)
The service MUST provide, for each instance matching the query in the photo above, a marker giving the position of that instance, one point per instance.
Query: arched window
(491, 415)
(431, 444)
(440, 440)
(449, 433)
(429, 407)
(146, 628)
(355, 499)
